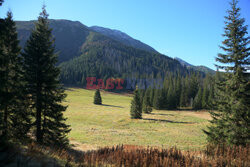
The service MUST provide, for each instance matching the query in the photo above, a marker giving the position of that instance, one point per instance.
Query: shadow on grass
(161, 114)
(164, 120)
(111, 106)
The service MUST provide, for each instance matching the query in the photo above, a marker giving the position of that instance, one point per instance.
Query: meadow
(95, 126)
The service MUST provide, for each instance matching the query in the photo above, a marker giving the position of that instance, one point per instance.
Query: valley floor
(95, 126)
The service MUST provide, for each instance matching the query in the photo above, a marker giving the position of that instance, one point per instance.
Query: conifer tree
(205, 94)
(15, 117)
(198, 100)
(2, 81)
(2, 72)
(136, 107)
(97, 97)
(211, 98)
(43, 86)
(171, 103)
(19, 115)
(151, 97)
(193, 86)
(184, 93)
(146, 108)
(178, 91)
(141, 94)
(157, 99)
(231, 121)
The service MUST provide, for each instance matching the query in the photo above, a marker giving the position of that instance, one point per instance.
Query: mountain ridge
(78, 35)
(201, 68)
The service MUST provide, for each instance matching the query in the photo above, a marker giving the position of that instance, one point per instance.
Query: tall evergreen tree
(2, 73)
(97, 97)
(157, 99)
(211, 98)
(146, 108)
(231, 123)
(136, 107)
(193, 86)
(205, 95)
(15, 118)
(178, 91)
(152, 97)
(184, 93)
(171, 98)
(2, 81)
(19, 115)
(198, 100)
(43, 86)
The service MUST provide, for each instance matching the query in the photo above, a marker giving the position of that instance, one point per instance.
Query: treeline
(30, 91)
(189, 92)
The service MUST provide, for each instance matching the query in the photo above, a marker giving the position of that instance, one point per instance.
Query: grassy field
(109, 124)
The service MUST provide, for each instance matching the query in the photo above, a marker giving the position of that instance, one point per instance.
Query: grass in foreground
(110, 124)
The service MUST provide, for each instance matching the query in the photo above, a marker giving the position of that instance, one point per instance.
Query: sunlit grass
(110, 124)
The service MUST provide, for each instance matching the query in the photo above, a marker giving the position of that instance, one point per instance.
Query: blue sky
(188, 29)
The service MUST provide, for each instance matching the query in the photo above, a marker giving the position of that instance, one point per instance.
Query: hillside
(84, 52)
(107, 58)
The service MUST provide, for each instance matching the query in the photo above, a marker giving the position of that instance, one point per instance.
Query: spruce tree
(210, 103)
(231, 121)
(97, 97)
(182, 98)
(184, 92)
(205, 95)
(13, 107)
(19, 114)
(171, 103)
(151, 97)
(207, 88)
(136, 107)
(44, 90)
(157, 99)
(198, 100)
(178, 91)
(146, 108)
(2, 72)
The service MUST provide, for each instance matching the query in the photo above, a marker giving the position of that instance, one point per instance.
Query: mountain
(198, 68)
(69, 36)
(84, 52)
(123, 38)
